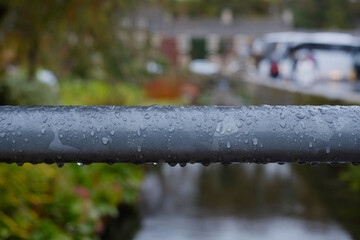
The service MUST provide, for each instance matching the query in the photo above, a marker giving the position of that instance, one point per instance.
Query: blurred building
(182, 39)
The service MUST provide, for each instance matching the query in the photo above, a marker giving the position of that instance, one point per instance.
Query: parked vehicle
(204, 67)
(275, 51)
(309, 58)
(325, 63)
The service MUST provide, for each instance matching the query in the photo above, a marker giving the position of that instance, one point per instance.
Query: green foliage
(44, 202)
(323, 14)
(213, 8)
(68, 37)
(239, 8)
(77, 92)
(352, 177)
(16, 90)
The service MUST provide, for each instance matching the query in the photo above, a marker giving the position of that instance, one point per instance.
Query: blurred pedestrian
(357, 65)
(274, 68)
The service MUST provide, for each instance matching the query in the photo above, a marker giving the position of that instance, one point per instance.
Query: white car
(204, 67)
(325, 57)
(275, 51)
(307, 58)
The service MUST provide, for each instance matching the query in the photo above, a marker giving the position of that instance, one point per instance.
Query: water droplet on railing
(105, 140)
(327, 150)
(218, 128)
(172, 164)
(312, 113)
(226, 163)
(182, 164)
(328, 119)
(147, 116)
(300, 116)
(255, 141)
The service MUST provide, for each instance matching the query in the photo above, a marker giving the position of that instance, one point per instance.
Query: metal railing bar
(178, 134)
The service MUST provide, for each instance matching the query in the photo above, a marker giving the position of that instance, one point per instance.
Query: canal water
(241, 201)
(244, 201)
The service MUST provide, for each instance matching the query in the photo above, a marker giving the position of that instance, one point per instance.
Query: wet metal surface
(180, 134)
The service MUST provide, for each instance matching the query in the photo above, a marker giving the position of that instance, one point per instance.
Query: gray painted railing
(176, 134)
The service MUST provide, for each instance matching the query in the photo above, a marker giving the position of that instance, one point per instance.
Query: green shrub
(77, 92)
(352, 177)
(16, 89)
(46, 202)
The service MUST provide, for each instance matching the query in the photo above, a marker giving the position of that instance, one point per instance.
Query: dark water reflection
(236, 202)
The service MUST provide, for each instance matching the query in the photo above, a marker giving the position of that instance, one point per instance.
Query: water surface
(242, 201)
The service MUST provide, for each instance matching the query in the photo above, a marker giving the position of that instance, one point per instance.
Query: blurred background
(179, 52)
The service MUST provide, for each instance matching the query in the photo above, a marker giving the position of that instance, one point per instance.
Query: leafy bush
(352, 177)
(15, 89)
(44, 202)
(77, 92)
(96, 92)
